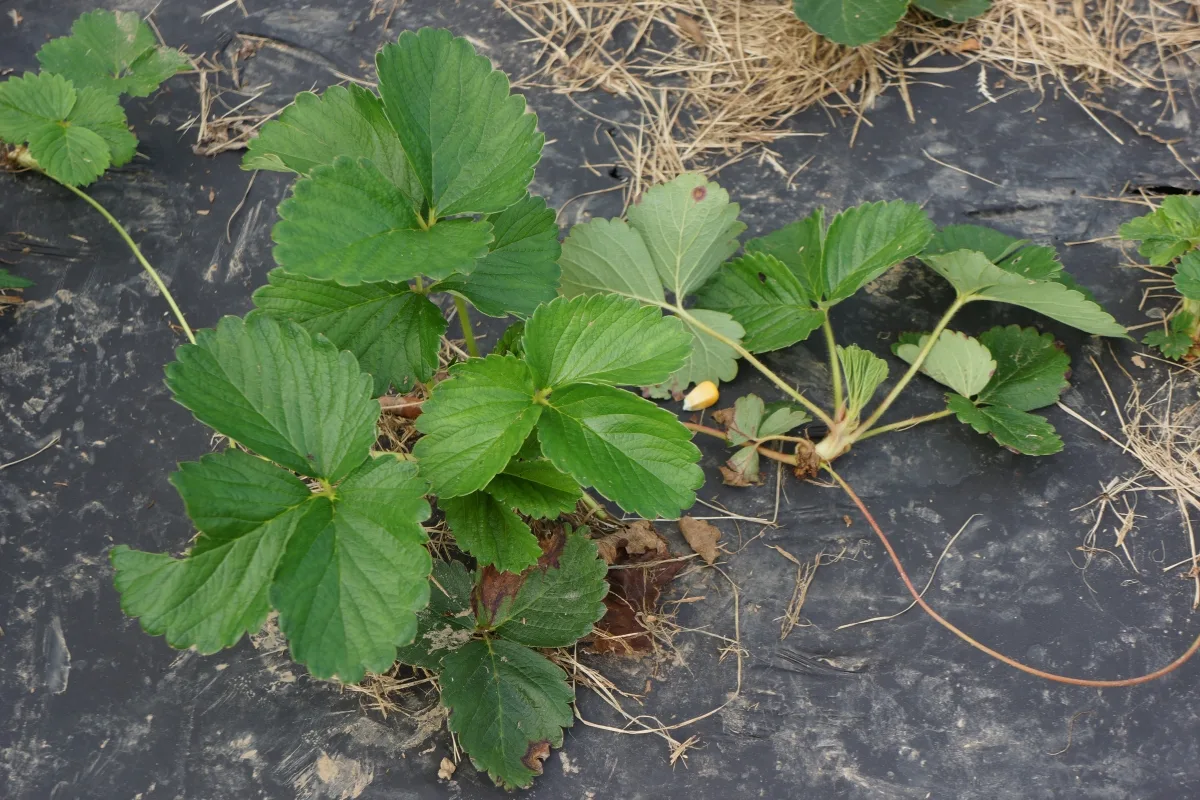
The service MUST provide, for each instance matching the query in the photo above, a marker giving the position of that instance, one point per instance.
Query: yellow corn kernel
(703, 396)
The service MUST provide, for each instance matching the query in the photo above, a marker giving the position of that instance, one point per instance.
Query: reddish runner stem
(762, 448)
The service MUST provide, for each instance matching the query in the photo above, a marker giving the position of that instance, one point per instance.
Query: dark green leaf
(800, 247)
(1018, 256)
(1017, 430)
(447, 623)
(851, 22)
(536, 488)
(1167, 232)
(1187, 276)
(866, 241)
(954, 10)
(1030, 368)
(511, 342)
(490, 531)
(10, 281)
(1179, 338)
(711, 359)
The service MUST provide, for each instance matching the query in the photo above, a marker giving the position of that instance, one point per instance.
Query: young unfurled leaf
(348, 593)
(554, 603)
(1187, 276)
(711, 359)
(10, 281)
(508, 706)
(1030, 368)
(74, 135)
(865, 241)
(765, 298)
(271, 386)
(115, 52)
(1179, 338)
(603, 339)
(800, 247)
(1167, 232)
(474, 423)
(863, 372)
(520, 270)
(394, 332)
(633, 452)
(445, 624)
(511, 342)
(489, 530)
(851, 22)
(536, 488)
(1017, 430)
(954, 10)
(956, 361)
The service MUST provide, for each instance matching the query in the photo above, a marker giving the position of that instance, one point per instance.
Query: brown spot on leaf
(495, 589)
(699, 193)
(701, 536)
(534, 756)
(724, 416)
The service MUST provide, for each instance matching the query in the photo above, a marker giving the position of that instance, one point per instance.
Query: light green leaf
(690, 228)
(115, 52)
(393, 332)
(866, 241)
(954, 10)
(711, 359)
(800, 246)
(447, 623)
(1018, 256)
(536, 488)
(346, 221)
(490, 531)
(246, 509)
(1187, 276)
(1017, 430)
(348, 593)
(474, 423)
(748, 413)
(1030, 368)
(765, 298)
(274, 388)
(851, 22)
(956, 361)
(603, 339)
(508, 706)
(520, 270)
(780, 418)
(344, 121)
(10, 281)
(554, 604)
(1167, 232)
(968, 271)
(863, 372)
(607, 256)
(1179, 338)
(633, 452)
(471, 143)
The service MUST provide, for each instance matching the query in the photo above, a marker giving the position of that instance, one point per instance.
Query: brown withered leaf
(702, 537)
(724, 416)
(537, 753)
(734, 477)
(807, 460)
(638, 538)
(690, 27)
(646, 569)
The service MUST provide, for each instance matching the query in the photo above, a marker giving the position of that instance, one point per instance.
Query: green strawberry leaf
(863, 372)
(866, 241)
(1187, 276)
(633, 452)
(1167, 232)
(765, 298)
(1018, 256)
(474, 423)
(743, 468)
(536, 488)
(394, 332)
(1030, 371)
(246, 510)
(1019, 431)
(512, 341)
(10, 281)
(471, 144)
(608, 256)
(554, 603)
(348, 222)
(508, 706)
(800, 246)
(954, 10)
(348, 593)
(490, 531)
(447, 623)
(1179, 338)
(114, 52)
(851, 22)
(780, 418)
(270, 385)
(603, 339)
(748, 411)
(956, 361)
(711, 359)
(520, 270)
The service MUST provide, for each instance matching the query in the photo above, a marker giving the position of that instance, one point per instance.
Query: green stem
(464, 320)
(137, 253)
(594, 505)
(816, 410)
(835, 368)
(913, 369)
(905, 423)
(420, 289)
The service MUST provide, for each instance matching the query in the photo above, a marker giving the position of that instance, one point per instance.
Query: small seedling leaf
(490, 531)
(536, 488)
(865, 241)
(957, 361)
(10, 281)
(447, 622)
(851, 22)
(781, 418)
(1030, 372)
(1017, 430)
(1167, 232)
(863, 372)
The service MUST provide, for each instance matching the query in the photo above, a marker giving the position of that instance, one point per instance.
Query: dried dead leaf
(446, 769)
(638, 538)
(734, 477)
(690, 27)
(967, 46)
(702, 537)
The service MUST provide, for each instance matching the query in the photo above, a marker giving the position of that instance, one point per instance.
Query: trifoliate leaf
(474, 423)
(690, 228)
(607, 256)
(1167, 232)
(956, 361)
(800, 247)
(73, 135)
(520, 270)
(447, 623)
(490, 531)
(552, 604)
(603, 339)
(1018, 256)
(472, 144)
(535, 487)
(394, 332)
(866, 241)
(954, 10)
(765, 298)
(1017, 430)
(863, 372)
(348, 593)
(851, 22)
(1179, 338)
(508, 706)
(348, 222)
(270, 385)
(1030, 368)
(711, 359)
(1187, 276)
(343, 121)
(10, 281)
(635, 453)
(115, 52)
(246, 510)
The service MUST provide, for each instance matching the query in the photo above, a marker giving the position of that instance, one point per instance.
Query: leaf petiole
(905, 424)
(464, 320)
(835, 368)
(763, 450)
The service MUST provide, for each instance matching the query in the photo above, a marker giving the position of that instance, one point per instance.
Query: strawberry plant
(855, 22)
(1171, 235)
(66, 121)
